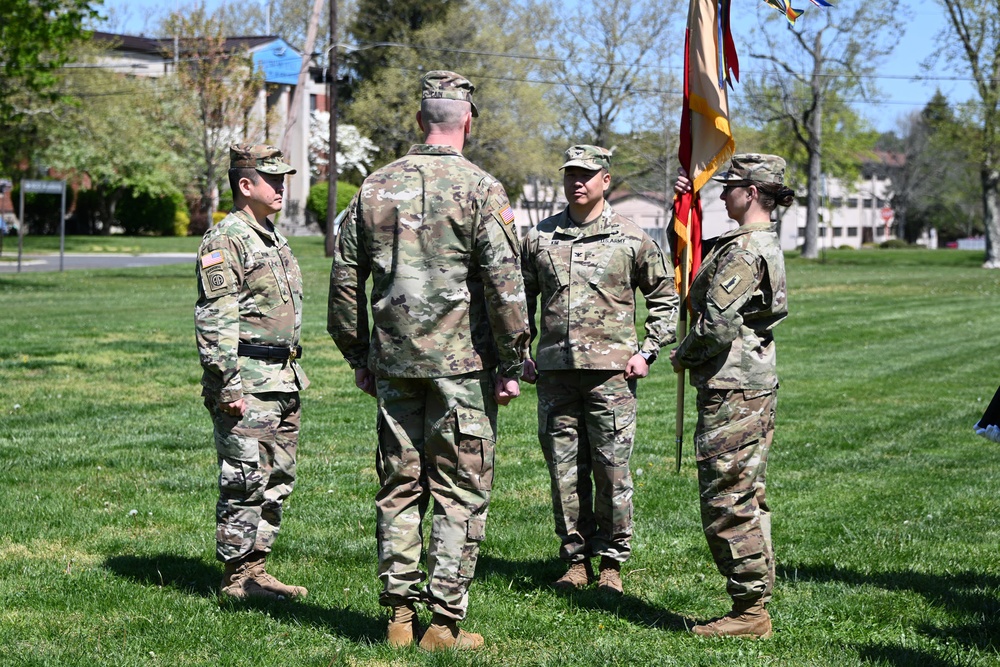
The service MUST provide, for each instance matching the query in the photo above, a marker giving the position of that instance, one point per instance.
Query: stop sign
(886, 213)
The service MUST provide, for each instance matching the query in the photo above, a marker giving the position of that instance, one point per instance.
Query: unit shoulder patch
(216, 276)
(735, 281)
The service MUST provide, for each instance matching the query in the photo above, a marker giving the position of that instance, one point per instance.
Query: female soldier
(737, 298)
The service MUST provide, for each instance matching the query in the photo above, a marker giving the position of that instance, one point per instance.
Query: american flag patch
(507, 215)
(211, 259)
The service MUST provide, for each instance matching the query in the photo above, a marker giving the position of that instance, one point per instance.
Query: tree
(614, 87)
(841, 47)
(118, 136)
(286, 18)
(219, 87)
(96, 137)
(932, 147)
(355, 152)
(608, 81)
(972, 35)
(35, 40)
(608, 60)
(510, 139)
(379, 22)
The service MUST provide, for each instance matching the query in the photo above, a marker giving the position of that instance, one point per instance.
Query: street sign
(887, 214)
(47, 188)
(44, 187)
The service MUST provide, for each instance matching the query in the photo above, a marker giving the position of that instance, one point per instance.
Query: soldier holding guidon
(435, 233)
(247, 323)
(737, 298)
(585, 265)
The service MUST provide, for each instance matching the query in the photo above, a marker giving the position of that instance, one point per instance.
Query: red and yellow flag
(706, 141)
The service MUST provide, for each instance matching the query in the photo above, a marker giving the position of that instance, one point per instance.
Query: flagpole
(682, 328)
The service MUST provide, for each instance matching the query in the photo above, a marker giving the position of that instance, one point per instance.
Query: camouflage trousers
(732, 440)
(256, 455)
(586, 426)
(435, 441)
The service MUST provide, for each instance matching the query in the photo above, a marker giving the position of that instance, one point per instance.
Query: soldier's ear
(245, 184)
(420, 122)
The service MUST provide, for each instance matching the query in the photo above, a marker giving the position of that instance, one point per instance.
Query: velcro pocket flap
(474, 423)
(728, 437)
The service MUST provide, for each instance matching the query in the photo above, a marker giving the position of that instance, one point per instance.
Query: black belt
(269, 352)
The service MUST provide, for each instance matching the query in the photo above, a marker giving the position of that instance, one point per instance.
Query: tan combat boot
(610, 580)
(577, 576)
(747, 619)
(238, 582)
(269, 583)
(444, 634)
(404, 626)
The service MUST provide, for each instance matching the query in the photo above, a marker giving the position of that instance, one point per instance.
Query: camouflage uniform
(250, 292)
(436, 235)
(738, 297)
(586, 277)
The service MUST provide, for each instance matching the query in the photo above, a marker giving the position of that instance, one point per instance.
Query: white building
(280, 64)
(848, 216)
(644, 208)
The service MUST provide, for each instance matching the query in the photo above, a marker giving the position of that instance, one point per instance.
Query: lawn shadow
(195, 577)
(532, 575)
(898, 656)
(188, 575)
(970, 594)
(22, 281)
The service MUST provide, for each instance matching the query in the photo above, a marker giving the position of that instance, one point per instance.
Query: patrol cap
(754, 168)
(265, 159)
(444, 85)
(588, 157)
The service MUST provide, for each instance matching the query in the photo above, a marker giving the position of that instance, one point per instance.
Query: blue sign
(279, 62)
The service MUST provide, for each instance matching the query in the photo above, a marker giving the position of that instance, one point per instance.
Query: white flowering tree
(354, 151)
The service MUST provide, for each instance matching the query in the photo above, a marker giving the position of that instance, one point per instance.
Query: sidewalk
(71, 261)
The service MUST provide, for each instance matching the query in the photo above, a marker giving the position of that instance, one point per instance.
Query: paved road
(90, 261)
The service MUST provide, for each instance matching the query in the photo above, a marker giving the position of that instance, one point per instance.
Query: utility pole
(331, 199)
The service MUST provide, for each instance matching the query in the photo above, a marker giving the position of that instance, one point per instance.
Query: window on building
(852, 231)
(867, 203)
(852, 202)
(313, 102)
(802, 201)
(838, 231)
(802, 232)
(836, 202)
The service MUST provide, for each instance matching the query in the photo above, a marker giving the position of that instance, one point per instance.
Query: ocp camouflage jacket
(436, 234)
(738, 297)
(249, 291)
(587, 278)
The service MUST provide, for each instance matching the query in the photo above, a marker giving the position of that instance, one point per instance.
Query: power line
(520, 56)
(363, 46)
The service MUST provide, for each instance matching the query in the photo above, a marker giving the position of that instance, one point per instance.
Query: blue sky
(900, 94)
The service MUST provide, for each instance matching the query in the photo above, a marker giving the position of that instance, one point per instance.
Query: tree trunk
(810, 249)
(108, 203)
(991, 216)
(329, 241)
(814, 132)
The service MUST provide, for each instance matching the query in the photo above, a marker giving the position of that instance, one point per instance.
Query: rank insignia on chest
(211, 259)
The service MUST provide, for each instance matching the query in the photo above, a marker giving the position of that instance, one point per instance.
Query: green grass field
(886, 521)
(128, 245)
